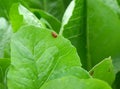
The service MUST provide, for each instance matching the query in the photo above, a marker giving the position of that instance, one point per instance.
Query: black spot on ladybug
(54, 34)
(91, 73)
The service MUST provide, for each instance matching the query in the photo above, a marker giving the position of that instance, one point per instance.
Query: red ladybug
(54, 34)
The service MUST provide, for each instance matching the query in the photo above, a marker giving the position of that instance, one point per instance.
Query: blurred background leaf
(54, 7)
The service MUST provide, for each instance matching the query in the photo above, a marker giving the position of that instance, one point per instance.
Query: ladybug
(54, 34)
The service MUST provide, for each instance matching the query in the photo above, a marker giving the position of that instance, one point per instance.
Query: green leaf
(4, 64)
(71, 82)
(52, 22)
(94, 30)
(19, 16)
(103, 32)
(104, 71)
(5, 34)
(37, 57)
(73, 27)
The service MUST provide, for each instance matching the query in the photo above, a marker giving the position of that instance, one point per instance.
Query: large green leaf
(37, 57)
(75, 83)
(104, 71)
(96, 36)
(5, 34)
(19, 15)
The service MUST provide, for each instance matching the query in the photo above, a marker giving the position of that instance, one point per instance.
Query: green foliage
(37, 57)
(34, 56)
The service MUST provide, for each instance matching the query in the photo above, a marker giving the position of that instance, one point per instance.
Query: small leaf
(104, 71)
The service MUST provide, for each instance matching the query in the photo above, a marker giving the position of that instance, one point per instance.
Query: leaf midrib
(89, 63)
